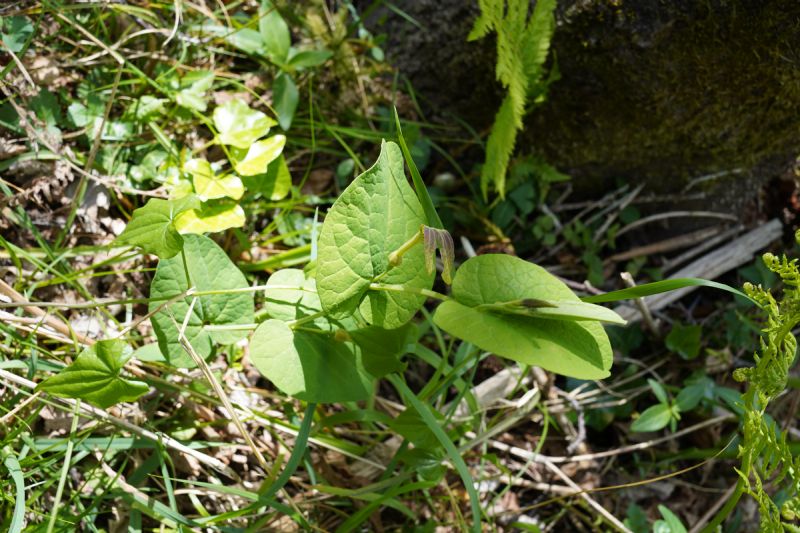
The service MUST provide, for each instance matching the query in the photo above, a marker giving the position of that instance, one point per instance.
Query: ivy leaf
(209, 268)
(95, 376)
(239, 125)
(373, 217)
(193, 90)
(274, 184)
(313, 367)
(653, 418)
(152, 227)
(256, 159)
(208, 185)
(285, 98)
(573, 348)
(210, 218)
(274, 32)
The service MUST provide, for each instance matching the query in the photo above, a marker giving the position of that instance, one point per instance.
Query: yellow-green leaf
(210, 219)
(239, 125)
(208, 185)
(257, 158)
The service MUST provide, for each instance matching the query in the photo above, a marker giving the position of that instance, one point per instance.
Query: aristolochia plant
(329, 331)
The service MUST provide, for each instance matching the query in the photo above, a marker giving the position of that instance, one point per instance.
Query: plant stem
(411, 290)
(396, 257)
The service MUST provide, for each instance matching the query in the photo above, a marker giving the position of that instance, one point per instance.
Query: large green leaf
(310, 366)
(209, 269)
(95, 376)
(290, 296)
(574, 348)
(373, 217)
(152, 227)
(239, 125)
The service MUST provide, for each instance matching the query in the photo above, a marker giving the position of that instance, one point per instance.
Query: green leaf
(653, 418)
(285, 97)
(578, 349)
(211, 218)
(15, 471)
(690, 396)
(95, 376)
(658, 287)
(673, 522)
(658, 390)
(239, 125)
(147, 107)
(16, 31)
(296, 298)
(274, 32)
(309, 366)
(275, 184)
(257, 158)
(247, 40)
(373, 217)
(209, 269)
(684, 340)
(309, 58)
(152, 227)
(193, 90)
(556, 310)
(208, 185)
(381, 348)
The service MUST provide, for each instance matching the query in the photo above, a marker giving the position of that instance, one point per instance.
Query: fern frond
(523, 43)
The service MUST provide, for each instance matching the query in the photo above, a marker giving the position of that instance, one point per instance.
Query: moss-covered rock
(655, 90)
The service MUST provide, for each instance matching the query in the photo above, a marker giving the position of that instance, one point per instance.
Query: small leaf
(211, 218)
(275, 184)
(573, 348)
(209, 269)
(257, 158)
(247, 40)
(684, 340)
(193, 90)
(309, 58)
(673, 522)
(658, 390)
(239, 125)
(374, 216)
(95, 376)
(208, 185)
(285, 97)
(653, 418)
(690, 396)
(309, 366)
(274, 32)
(147, 107)
(152, 227)
(16, 31)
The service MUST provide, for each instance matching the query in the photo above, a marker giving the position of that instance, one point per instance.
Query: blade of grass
(444, 440)
(657, 287)
(15, 470)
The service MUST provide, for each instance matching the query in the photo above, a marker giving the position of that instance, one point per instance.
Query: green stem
(411, 290)
(396, 257)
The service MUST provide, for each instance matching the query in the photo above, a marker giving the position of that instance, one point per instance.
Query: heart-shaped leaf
(274, 184)
(573, 348)
(95, 376)
(257, 158)
(373, 217)
(152, 227)
(310, 366)
(211, 218)
(209, 268)
(208, 185)
(239, 125)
